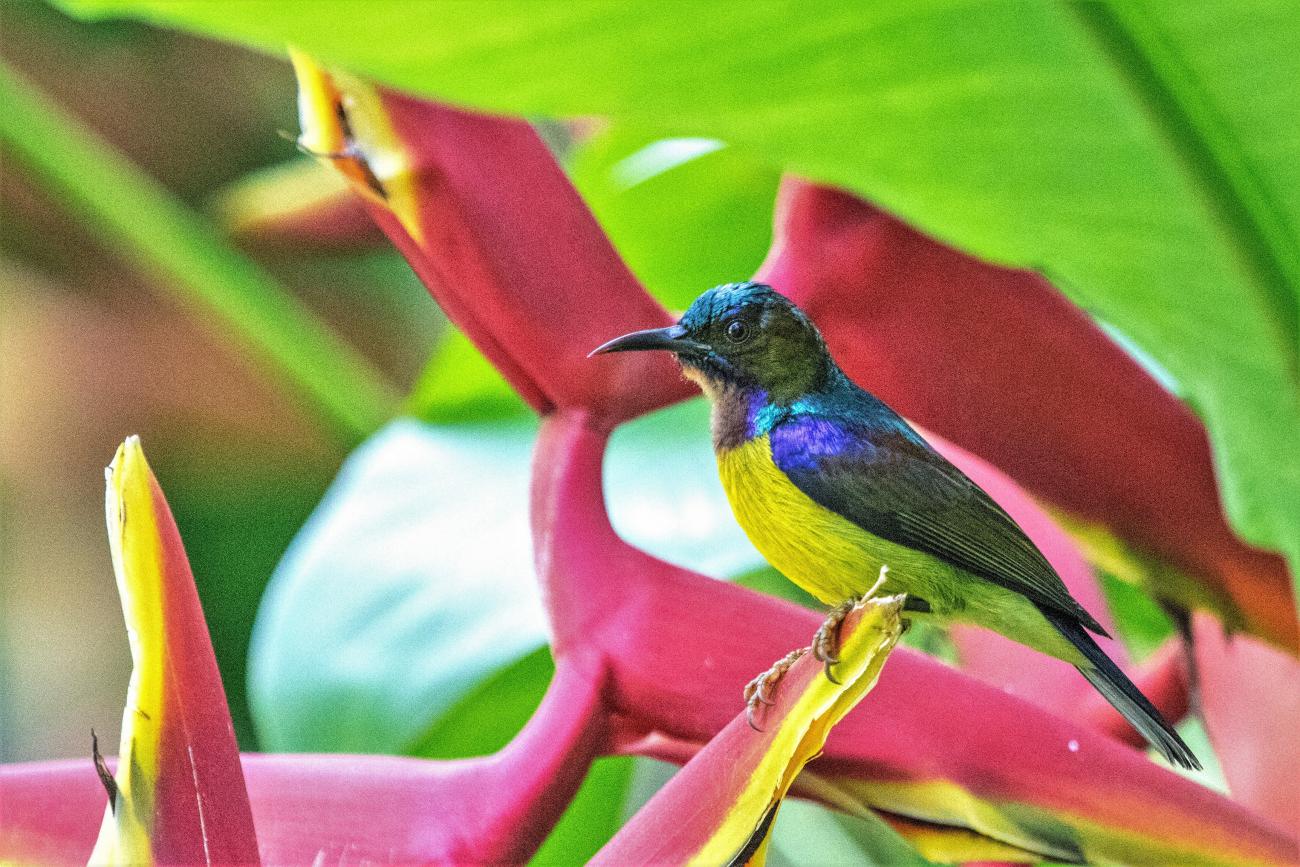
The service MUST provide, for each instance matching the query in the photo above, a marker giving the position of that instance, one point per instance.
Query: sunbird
(844, 497)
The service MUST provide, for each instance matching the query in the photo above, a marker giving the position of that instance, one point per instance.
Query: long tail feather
(1126, 698)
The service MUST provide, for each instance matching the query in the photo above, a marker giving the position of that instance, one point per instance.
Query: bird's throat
(734, 409)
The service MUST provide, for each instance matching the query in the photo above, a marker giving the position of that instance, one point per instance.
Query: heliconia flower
(397, 150)
(378, 160)
(928, 744)
(331, 809)
(512, 255)
(958, 767)
(381, 142)
(735, 784)
(182, 794)
(1086, 427)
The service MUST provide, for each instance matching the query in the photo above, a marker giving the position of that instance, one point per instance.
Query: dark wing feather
(879, 474)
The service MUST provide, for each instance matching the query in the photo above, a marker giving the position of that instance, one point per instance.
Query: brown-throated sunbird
(834, 488)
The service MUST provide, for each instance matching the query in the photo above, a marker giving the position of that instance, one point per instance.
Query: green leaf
(664, 495)
(410, 584)
(485, 720)
(684, 213)
(459, 384)
(592, 818)
(1139, 620)
(1140, 155)
(807, 833)
(185, 256)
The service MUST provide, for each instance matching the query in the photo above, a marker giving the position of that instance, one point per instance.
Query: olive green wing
(883, 477)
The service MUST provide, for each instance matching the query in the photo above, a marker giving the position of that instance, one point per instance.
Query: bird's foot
(880, 582)
(826, 641)
(824, 647)
(758, 691)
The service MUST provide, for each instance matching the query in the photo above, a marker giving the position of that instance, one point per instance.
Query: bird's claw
(758, 690)
(824, 648)
(826, 640)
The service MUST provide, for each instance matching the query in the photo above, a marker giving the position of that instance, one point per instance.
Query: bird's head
(743, 335)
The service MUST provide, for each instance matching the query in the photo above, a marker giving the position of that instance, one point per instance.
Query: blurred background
(91, 350)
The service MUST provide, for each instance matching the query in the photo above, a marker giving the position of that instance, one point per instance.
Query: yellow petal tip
(346, 124)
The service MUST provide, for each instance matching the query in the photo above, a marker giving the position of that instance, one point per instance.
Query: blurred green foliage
(183, 254)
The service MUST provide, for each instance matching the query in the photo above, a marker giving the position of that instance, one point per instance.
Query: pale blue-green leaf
(410, 583)
(810, 834)
(662, 488)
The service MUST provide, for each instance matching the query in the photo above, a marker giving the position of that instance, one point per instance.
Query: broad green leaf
(685, 214)
(186, 257)
(1140, 155)
(663, 493)
(416, 577)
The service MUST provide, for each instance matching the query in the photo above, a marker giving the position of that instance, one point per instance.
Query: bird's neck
(742, 413)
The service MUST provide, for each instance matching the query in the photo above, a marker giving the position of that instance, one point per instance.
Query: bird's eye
(737, 331)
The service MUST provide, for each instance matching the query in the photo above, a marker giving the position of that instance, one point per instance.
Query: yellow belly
(833, 558)
(825, 554)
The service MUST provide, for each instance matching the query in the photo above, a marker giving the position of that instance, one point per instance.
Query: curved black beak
(673, 338)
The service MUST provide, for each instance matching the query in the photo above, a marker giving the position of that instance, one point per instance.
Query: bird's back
(835, 484)
(821, 551)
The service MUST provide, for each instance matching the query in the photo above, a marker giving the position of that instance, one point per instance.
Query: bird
(844, 497)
